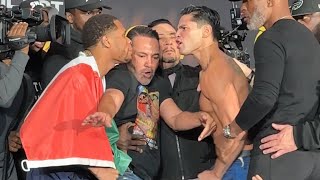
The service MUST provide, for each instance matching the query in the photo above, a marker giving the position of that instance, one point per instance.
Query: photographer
(11, 76)
(10, 81)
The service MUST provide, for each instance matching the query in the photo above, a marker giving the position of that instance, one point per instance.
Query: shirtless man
(223, 85)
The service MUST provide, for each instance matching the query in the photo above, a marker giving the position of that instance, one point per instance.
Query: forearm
(252, 111)
(270, 68)
(108, 106)
(222, 164)
(185, 121)
(10, 82)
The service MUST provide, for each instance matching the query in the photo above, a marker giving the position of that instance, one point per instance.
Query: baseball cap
(303, 7)
(86, 5)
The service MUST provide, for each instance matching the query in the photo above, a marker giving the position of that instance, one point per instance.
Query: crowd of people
(117, 103)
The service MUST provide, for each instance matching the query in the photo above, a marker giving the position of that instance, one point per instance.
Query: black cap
(86, 5)
(303, 7)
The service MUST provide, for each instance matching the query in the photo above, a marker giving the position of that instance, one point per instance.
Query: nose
(148, 62)
(169, 40)
(178, 33)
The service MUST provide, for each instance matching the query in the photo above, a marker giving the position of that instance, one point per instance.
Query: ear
(105, 41)
(206, 31)
(305, 21)
(69, 17)
(306, 18)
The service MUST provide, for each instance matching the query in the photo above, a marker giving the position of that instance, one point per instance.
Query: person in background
(77, 13)
(10, 81)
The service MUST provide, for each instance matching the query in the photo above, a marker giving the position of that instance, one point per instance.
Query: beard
(316, 32)
(169, 59)
(257, 19)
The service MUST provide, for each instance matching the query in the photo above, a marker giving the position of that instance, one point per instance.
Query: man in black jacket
(77, 13)
(182, 155)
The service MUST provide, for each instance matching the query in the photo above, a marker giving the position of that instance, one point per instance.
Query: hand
(98, 119)
(37, 46)
(14, 141)
(127, 141)
(280, 143)
(209, 125)
(105, 173)
(19, 30)
(257, 177)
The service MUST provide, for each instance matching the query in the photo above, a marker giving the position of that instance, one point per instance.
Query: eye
(183, 28)
(156, 58)
(89, 13)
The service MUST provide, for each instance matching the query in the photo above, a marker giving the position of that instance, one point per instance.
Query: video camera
(58, 29)
(231, 41)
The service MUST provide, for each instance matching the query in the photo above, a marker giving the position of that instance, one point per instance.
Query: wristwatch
(227, 132)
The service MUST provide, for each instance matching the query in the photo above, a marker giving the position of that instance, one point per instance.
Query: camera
(57, 30)
(231, 41)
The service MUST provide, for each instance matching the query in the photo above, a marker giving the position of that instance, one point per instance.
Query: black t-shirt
(287, 61)
(141, 105)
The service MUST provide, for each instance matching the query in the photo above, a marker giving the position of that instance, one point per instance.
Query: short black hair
(96, 27)
(142, 31)
(204, 15)
(159, 21)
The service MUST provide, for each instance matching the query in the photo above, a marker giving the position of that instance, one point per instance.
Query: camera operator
(11, 76)
(10, 81)
(77, 13)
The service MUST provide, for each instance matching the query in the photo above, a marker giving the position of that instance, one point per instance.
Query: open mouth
(148, 74)
(168, 51)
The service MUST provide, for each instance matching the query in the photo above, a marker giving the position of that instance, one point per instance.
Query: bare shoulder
(234, 66)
